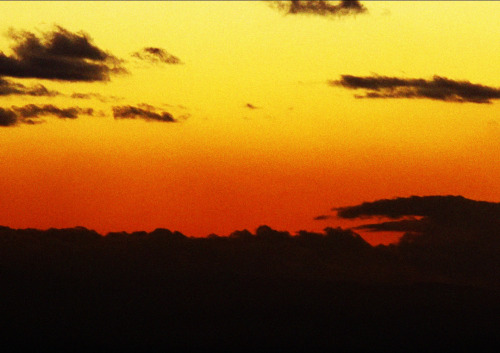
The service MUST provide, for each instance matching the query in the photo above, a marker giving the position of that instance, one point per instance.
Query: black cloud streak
(438, 88)
(251, 106)
(33, 111)
(99, 97)
(157, 55)
(433, 222)
(404, 225)
(8, 88)
(322, 217)
(29, 114)
(449, 210)
(145, 112)
(58, 55)
(321, 8)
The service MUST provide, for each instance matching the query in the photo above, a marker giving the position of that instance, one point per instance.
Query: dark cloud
(450, 210)
(35, 111)
(434, 222)
(13, 88)
(251, 106)
(58, 55)
(31, 113)
(455, 238)
(321, 8)
(8, 88)
(438, 88)
(144, 111)
(85, 95)
(98, 96)
(7, 117)
(404, 225)
(322, 217)
(451, 238)
(157, 55)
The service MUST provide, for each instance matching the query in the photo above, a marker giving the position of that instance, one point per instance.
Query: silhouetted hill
(72, 289)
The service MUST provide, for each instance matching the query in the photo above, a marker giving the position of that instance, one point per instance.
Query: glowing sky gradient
(305, 147)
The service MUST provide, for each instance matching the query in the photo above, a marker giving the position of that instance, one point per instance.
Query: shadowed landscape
(435, 290)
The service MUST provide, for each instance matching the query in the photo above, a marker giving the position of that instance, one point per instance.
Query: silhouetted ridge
(436, 290)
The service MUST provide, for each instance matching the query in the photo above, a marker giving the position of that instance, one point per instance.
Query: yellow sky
(307, 148)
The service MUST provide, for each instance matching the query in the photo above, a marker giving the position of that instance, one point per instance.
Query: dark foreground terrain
(75, 290)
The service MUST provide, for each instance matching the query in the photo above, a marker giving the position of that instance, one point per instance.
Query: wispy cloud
(31, 113)
(251, 106)
(323, 217)
(144, 111)
(8, 88)
(156, 56)
(437, 88)
(98, 96)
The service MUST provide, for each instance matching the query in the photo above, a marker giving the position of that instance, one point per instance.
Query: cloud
(99, 97)
(58, 55)
(30, 114)
(404, 225)
(451, 210)
(8, 88)
(323, 217)
(144, 111)
(444, 222)
(455, 238)
(7, 117)
(320, 8)
(251, 106)
(34, 111)
(157, 55)
(438, 88)
(447, 237)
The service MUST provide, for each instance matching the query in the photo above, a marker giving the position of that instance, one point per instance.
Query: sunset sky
(242, 113)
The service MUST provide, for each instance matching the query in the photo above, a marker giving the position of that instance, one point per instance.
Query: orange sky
(307, 148)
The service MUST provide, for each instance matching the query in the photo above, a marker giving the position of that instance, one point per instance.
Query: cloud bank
(58, 55)
(437, 88)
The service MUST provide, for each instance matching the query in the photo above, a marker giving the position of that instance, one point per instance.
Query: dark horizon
(437, 289)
